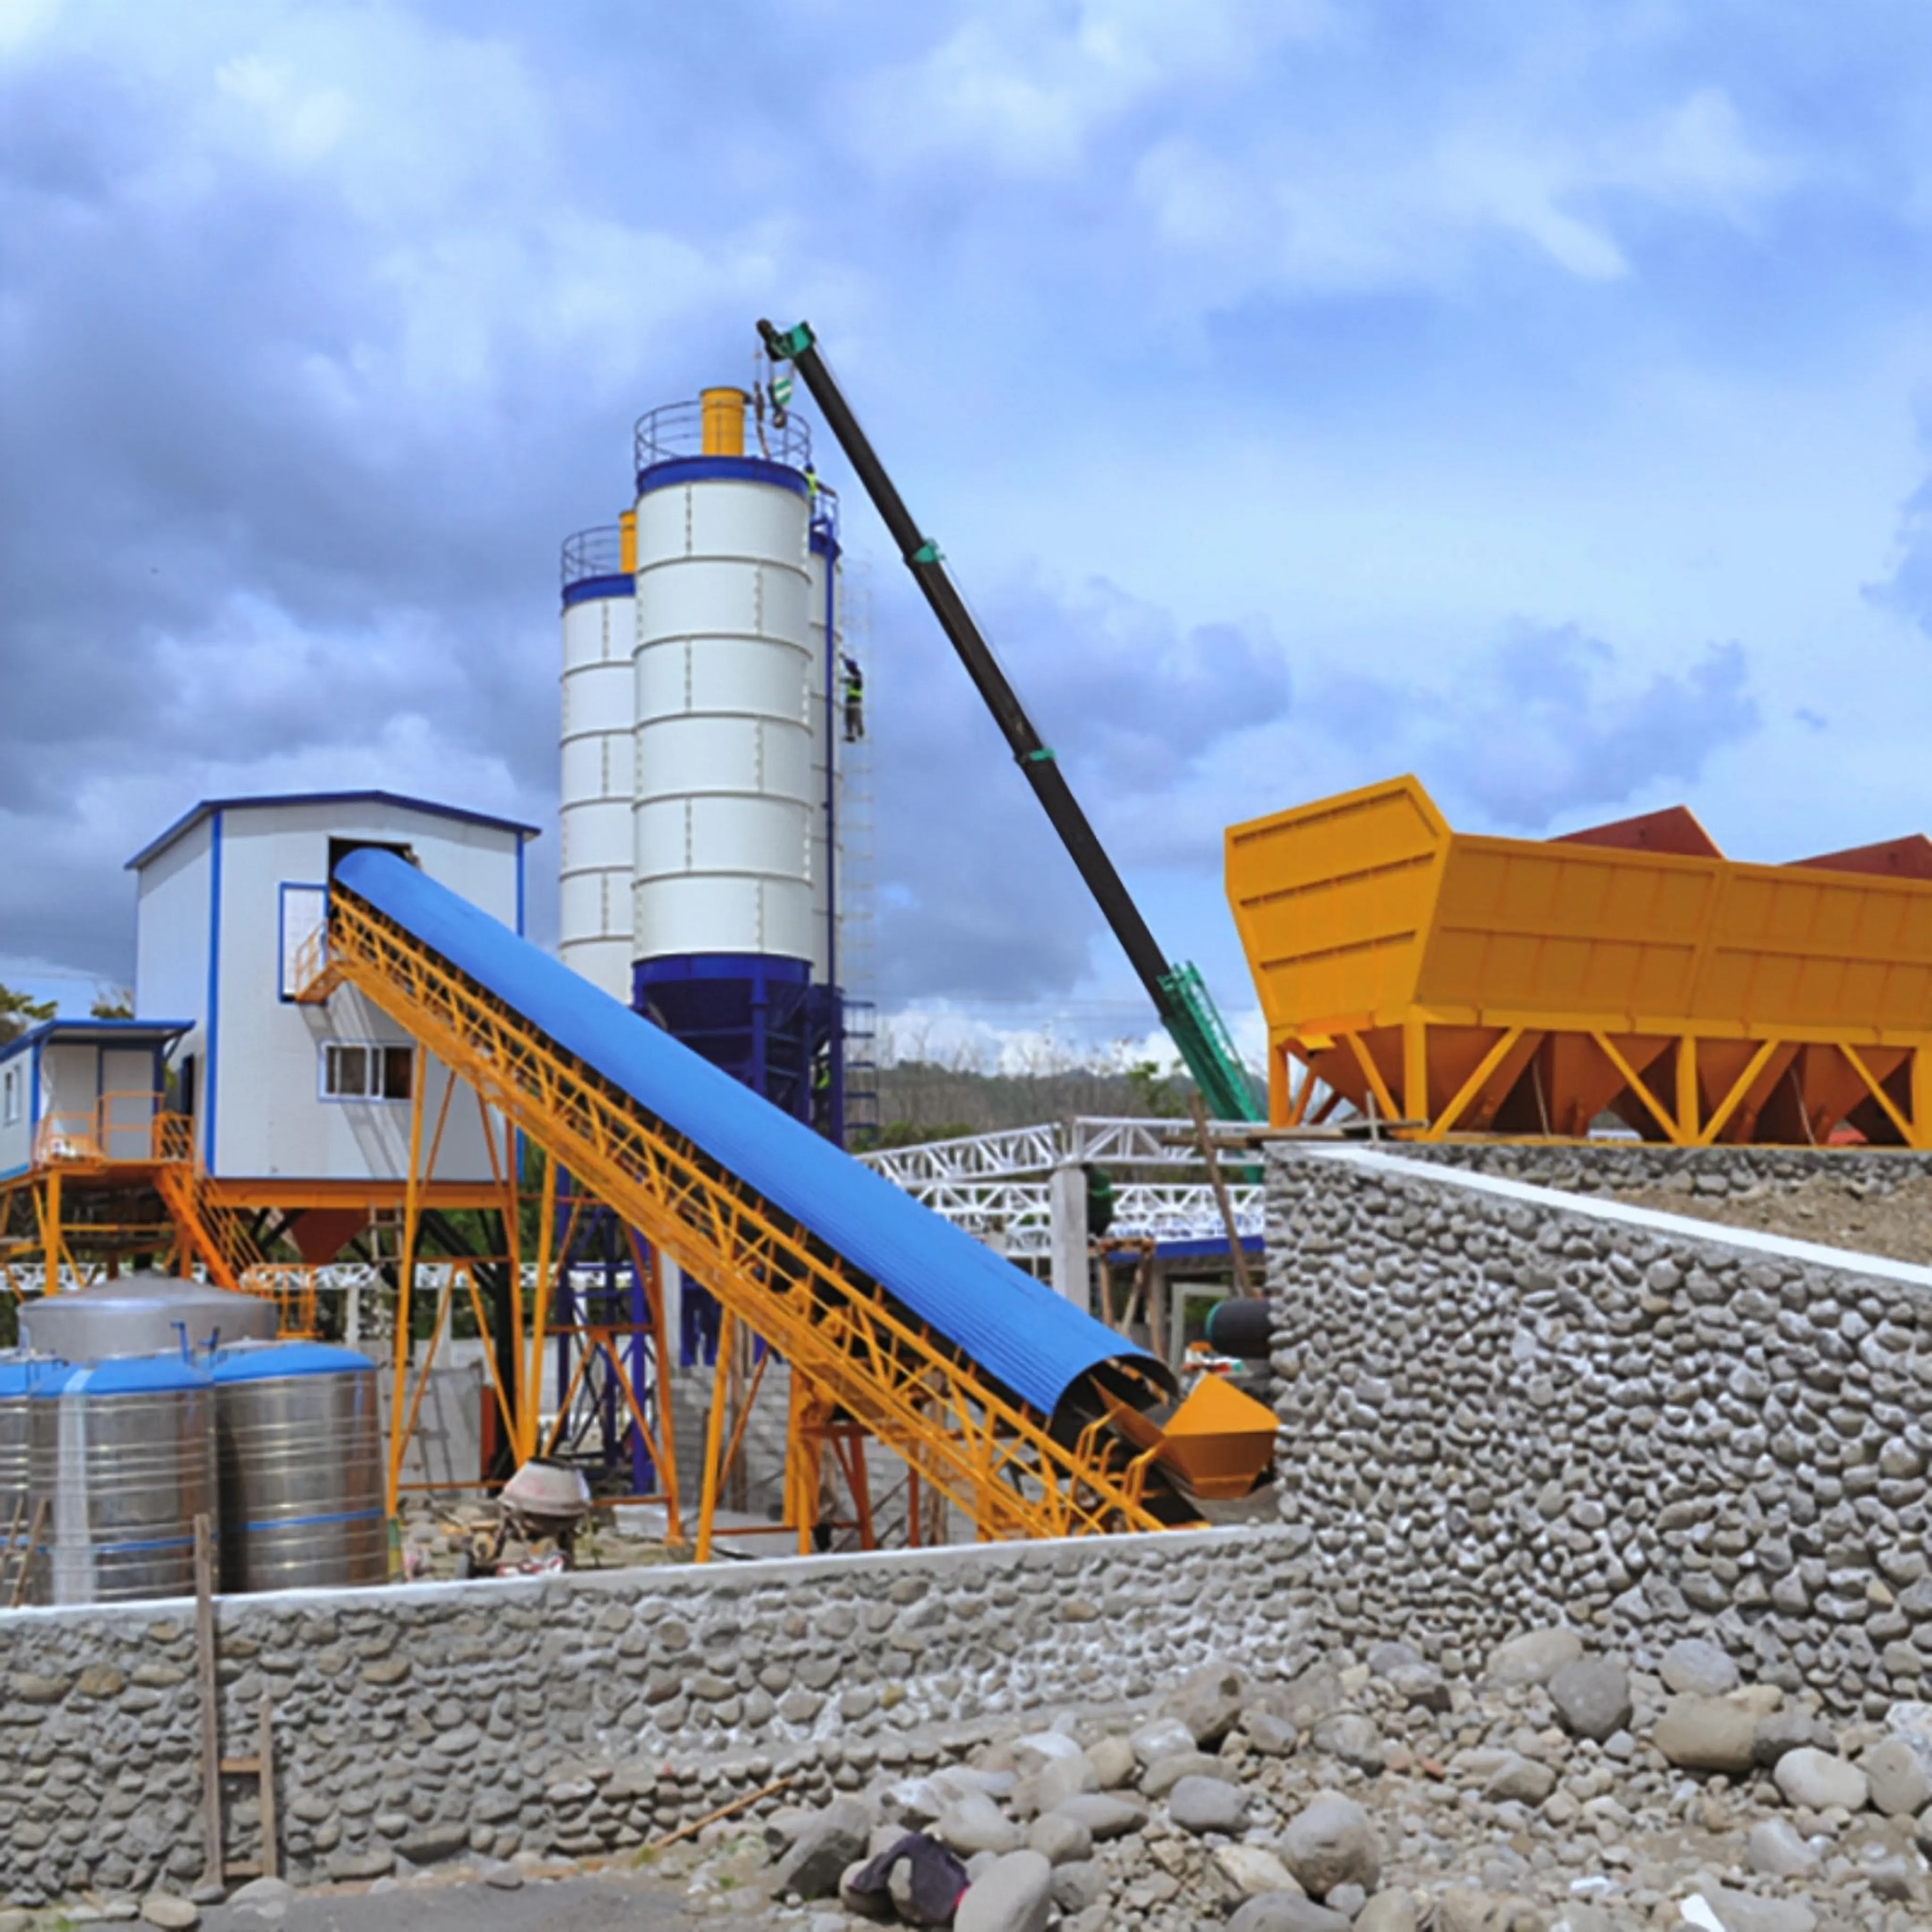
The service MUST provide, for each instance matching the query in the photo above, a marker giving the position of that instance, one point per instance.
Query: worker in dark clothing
(855, 701)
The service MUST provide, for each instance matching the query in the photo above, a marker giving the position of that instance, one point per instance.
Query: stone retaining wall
(585, 1714)
(1611, 1166)
(1502, 1406)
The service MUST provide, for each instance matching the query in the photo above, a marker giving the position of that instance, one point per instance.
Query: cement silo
(599, 725)
(721, 748)
(722, 925)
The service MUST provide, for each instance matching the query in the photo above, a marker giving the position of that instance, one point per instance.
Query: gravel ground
(1898, 1224)
(589, 1902)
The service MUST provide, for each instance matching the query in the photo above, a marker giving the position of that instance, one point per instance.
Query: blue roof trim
(1017, 1330)
(720, 469)
(132, 1033)
(274, 1360)
(195, 814)
(588, 587)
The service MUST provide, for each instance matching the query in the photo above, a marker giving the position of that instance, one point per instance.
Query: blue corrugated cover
(1020, 1333)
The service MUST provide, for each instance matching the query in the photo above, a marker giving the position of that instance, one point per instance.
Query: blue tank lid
(128, 1374)
(22, 1374)
(273, 1360)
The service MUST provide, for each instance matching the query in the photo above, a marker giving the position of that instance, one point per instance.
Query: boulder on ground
(1104, 1814)
(1694, 1666)
(1535, 1657)
(1706, 1734)
(1775, 1849)
(1592, 1697)
(834, 1838)
(1267, 1732)
(1353, 1739)
(1253, 1869)
(1816, 1778)
(1015, 1895)
(1208, 1701)
(1113, 1761)
(1899, 1784)
(1161, 1737)
(1059, 1840)
(1203, 1805)
(1330, 1842)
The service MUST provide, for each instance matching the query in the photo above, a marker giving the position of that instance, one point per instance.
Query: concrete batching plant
(708, 696)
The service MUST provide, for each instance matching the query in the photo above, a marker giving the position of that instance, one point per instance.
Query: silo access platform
(1462, 985)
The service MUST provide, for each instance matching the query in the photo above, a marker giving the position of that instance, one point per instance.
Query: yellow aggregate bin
(1458, 982)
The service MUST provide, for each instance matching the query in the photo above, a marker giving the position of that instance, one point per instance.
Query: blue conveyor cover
(1018, 1331)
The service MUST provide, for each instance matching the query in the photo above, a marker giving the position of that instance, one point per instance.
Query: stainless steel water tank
(125, 1452)
(301, 1468)
(142, 1314)
(18, 1373)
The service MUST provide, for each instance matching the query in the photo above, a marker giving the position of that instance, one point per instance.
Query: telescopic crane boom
(1179, 994)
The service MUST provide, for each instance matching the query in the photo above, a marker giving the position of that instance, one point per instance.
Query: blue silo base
(758, 1018)
(762, 1021)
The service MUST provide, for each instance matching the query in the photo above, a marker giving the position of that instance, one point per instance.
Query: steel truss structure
(859, 1360)
(998, 1185)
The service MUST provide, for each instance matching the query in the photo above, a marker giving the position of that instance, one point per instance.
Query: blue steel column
(826, 544)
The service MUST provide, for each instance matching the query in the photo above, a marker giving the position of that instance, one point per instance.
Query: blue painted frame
(212, 1024)
(282, 891)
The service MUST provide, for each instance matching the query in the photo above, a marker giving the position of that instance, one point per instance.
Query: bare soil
(1897, 1225)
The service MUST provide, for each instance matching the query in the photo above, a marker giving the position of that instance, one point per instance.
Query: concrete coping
(729, 1577)
(1651, 1220)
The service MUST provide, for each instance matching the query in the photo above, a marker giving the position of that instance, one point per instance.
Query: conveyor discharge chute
(1458, 984)
(1002, 1396)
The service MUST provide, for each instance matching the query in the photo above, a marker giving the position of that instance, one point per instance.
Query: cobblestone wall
(584, 1713)
(1503, 1406)
(1612, 1166)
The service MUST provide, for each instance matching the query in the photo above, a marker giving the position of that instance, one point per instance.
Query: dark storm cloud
(1548, 725)
(320, 326)
(1131, 701)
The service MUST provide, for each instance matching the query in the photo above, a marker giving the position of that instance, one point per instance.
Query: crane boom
(1179, 994)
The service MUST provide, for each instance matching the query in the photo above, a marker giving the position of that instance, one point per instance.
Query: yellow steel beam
(995, 1458)
(1466, 1094)
(1906, 1132)
(1632, 1080)
(1720, 1115)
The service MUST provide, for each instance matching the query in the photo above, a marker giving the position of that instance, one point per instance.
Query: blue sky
(1536, 398)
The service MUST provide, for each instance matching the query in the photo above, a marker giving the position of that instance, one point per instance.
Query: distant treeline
(924, 1100)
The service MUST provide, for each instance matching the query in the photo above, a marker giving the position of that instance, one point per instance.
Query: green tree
(1164, 1096)
(19, 1011)
(113, 1003)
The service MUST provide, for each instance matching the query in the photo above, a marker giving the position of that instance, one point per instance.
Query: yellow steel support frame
(993, 1457)
(1679, 1117)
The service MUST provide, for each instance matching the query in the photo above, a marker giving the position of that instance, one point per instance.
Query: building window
(9, 1095)
(366, 1072)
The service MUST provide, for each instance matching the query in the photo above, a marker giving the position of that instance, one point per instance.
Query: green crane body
(1180, 994)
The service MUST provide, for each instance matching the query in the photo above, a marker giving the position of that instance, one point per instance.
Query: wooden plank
(211, 1708)
(24, 1575)
(241, 1767)
(265, 1759)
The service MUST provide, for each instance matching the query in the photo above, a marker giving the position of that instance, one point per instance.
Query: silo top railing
(592, 553)
(674, 430)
